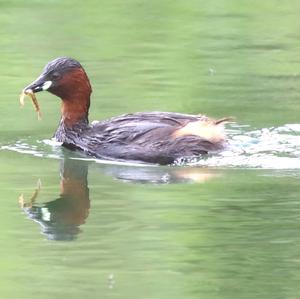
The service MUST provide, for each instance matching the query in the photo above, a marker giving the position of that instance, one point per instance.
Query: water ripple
(47, 148)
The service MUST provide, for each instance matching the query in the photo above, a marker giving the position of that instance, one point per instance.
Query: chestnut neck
(75, 110)
(75, 98)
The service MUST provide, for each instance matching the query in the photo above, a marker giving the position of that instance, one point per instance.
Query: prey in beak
(30, 93)
(38, 85)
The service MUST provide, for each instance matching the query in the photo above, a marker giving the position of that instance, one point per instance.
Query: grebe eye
(55, 76)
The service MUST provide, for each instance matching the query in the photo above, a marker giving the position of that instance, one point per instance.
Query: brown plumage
(155, 137)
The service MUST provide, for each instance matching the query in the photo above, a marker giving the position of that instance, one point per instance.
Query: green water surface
(145, 232)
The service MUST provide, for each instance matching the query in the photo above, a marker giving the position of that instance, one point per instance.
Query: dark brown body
(149, 137)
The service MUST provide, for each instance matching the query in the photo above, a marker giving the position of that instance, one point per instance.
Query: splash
(267, 148)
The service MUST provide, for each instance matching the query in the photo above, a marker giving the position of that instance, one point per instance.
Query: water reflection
(61, 218)
(159, 174)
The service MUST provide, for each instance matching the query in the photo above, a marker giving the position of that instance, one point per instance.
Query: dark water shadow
(60, 219)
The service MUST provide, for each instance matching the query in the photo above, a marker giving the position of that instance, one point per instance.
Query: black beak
(39, 84)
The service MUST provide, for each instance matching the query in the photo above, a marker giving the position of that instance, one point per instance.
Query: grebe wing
(147, 137)
(139, 127)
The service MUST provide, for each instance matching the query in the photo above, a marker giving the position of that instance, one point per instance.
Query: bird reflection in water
(60, 219)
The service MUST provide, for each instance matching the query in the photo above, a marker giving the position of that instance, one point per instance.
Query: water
(222, 227)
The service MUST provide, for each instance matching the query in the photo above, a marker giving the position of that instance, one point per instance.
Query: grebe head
(63, 77)
(66, 78)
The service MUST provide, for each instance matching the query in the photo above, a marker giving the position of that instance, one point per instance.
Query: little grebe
(155, 137)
